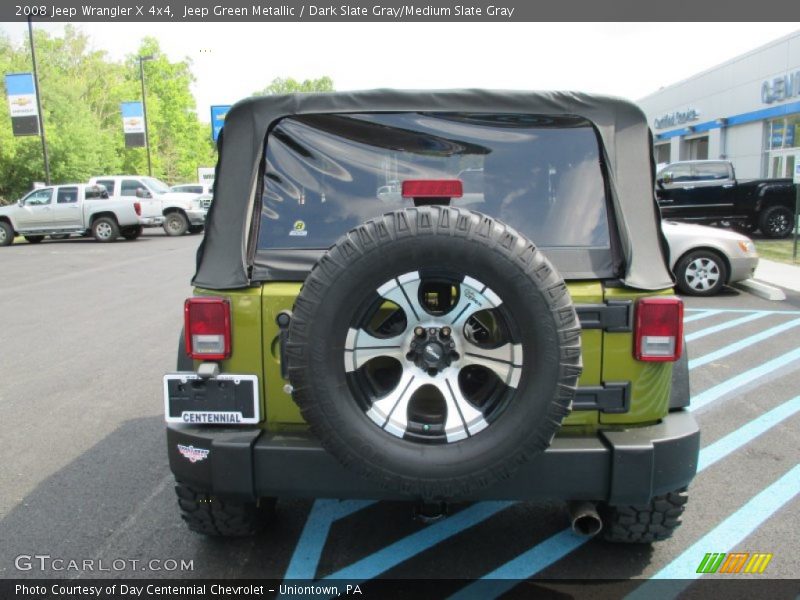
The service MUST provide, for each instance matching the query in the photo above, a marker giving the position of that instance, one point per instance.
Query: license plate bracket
(227, 399)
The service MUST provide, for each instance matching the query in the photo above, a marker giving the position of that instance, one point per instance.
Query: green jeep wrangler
(433, 296)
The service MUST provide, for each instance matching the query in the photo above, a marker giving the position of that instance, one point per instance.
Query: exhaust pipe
(430, 512)
(584, 518)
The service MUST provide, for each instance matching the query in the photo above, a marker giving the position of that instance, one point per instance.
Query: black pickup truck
(707, 191)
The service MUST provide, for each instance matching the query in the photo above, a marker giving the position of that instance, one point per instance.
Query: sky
(632, 60)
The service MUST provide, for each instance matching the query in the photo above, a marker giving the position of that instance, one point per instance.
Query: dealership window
(784, 132)
(783, 137)
(697, 148)
(662, 153)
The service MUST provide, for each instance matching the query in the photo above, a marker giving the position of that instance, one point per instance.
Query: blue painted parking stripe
(523, 566)
(718, 391)
(546, 553)
(307, 554)
(726, 325)
(733, 441)
(701, 315)
(724, 536)
(324, 513)
(742, 344)
(416, 543)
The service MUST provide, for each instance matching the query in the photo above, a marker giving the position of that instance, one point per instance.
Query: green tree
(20, 158)
(287, 85)
(179, 142)
(81, 91)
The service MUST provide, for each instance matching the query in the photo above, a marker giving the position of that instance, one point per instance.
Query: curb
(761, 289)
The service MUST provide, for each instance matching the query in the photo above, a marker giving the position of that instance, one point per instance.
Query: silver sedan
(704, 259)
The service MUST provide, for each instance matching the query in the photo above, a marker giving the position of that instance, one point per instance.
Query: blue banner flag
(218, 114)
(22, 104)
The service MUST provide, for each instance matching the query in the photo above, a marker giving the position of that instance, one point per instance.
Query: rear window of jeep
(325, 174)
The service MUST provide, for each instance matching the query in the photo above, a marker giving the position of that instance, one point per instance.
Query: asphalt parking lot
(87, 330)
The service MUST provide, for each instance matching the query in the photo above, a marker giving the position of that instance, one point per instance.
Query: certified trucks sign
(22, 103)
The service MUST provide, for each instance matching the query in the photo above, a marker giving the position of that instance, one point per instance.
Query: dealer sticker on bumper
(193, 454)
(226, 399)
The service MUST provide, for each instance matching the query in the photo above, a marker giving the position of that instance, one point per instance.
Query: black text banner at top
(396, 11)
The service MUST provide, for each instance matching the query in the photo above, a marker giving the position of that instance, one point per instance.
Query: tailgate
(282, 409)
(650, 382)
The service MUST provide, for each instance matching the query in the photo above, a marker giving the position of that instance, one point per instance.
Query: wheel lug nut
(446, 331)
(419, 331)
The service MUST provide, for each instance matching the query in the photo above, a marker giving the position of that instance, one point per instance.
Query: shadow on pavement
(115, 502)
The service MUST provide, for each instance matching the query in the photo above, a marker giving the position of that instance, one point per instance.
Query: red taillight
(433, 188)
(138, 208)
(207, 326)
(658, 335)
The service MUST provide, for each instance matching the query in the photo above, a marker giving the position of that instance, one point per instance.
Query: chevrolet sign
(781, 88)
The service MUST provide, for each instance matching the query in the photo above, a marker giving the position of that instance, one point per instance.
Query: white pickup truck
(177, 212)
(61, 210)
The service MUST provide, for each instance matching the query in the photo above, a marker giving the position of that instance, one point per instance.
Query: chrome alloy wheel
(434, 358)
(702, 274)
(104, 231)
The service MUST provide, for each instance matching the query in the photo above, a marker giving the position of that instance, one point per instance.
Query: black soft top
(223, 257)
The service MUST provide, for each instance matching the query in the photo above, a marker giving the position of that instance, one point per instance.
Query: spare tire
(433, 350)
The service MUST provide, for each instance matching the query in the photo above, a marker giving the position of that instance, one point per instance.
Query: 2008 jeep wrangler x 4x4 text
(370, 323)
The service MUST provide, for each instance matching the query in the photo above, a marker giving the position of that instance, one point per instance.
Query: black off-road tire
(132, 233)
(34, 239)
(776, 222)
(6, 234)
(176, 224)
(207, 514)
(647, 523)
(105, 230)
(434, 238)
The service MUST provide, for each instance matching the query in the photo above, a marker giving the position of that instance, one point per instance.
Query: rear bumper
(619, 467)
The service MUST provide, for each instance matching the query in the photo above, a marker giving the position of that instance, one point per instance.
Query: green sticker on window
(299, 228)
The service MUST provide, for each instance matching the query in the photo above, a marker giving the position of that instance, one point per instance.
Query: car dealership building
(746, 110)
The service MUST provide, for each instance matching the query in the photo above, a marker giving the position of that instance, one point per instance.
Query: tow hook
(430, 512)
(208, 370)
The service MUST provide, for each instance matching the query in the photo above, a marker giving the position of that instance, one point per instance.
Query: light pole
(144, 112)
(39, 105)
